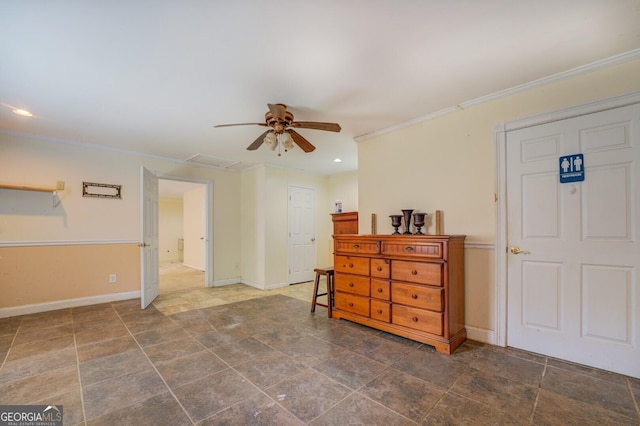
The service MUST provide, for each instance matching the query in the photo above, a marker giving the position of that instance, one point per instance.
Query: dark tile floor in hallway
(268, 361)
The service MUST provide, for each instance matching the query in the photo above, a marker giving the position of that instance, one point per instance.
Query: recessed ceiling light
(22, 112)
(337, 160)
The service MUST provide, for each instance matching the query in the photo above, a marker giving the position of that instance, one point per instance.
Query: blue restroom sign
(571, 168)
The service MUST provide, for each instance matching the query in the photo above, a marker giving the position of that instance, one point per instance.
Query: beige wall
(170, 229)
(252, 227)
(29, 219)
(278, 182)
(344, 187)
(449, 164)
(35, 275)
(265, 192)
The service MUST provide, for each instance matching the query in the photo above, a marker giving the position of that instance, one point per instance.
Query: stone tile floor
(236, 355)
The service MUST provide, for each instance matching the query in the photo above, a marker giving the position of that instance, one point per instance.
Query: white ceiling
(154, 76)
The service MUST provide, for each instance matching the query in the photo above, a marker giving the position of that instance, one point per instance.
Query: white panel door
(149, 268)
(573, 290)
(302, 234)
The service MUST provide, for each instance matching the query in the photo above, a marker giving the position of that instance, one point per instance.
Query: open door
(149, 268)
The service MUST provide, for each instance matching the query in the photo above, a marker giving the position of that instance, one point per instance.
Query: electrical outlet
(113, 278)
(60, 185)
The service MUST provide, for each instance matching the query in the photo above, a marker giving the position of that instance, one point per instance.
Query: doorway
(182, 217)
(171, 187)
(569, 269)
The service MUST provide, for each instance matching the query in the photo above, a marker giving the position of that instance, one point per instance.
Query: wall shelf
(53, 190)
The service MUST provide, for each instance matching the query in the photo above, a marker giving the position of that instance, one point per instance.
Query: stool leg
(329, 294)
(315, 293)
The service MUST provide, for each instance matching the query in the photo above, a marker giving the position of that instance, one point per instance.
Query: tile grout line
(229, 366)
(75, 345)
(535, 402)
(155, 369)
(357, 391)
(15, 336)
(633, 398)
(450, 390)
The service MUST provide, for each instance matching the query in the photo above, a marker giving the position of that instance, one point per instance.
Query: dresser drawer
(351, 303)
(418, 296)
(417, 272)
(380, 289)
(352, 265)
(380, 268)
(380, 310)
(357, 246)
(354, 284)
(418, 319)
(432, 250)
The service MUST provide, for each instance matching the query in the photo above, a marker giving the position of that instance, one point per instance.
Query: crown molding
(603, 63)
(111, 149)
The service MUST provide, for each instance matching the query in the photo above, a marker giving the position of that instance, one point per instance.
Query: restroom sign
(571, 168)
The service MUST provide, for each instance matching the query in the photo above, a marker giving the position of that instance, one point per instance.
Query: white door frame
(501, 130)
(208, 273)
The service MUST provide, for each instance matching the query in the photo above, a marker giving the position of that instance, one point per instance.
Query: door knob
(517, 250)
(313, 239)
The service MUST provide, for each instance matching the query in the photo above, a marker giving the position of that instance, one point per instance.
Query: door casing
(208, 222)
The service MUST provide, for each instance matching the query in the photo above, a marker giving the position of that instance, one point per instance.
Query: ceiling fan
(281, 132)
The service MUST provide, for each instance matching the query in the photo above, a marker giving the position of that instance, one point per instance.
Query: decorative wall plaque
(101, 190)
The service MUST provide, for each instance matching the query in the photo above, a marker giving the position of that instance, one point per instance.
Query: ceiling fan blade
(330, 127)
(304, 144)
(256, 144)
(277, 110)
(241, 124)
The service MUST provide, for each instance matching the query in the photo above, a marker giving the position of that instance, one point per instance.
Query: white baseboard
(228, 281)
(69, 303)
(252, 284)
(481, 334)
(197, 268)
(276, 285)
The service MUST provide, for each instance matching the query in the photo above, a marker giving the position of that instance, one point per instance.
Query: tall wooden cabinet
(409, 285)
(345, 223)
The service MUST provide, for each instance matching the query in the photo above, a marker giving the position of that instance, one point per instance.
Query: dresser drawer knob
(409, 248)
(379, 268)
(356, 246)
(350, 284)
(351, 305)
(351, 265)
(414, 319)
(380, 290)
(414, 272)
(379, 311)
(414, 296)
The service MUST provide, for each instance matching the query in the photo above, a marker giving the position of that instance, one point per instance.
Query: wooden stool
(328, 273)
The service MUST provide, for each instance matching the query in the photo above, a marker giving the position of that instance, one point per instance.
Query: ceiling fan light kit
(282, 133)
(276, 140)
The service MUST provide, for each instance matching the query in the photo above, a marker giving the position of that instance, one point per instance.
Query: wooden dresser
(409, 285)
